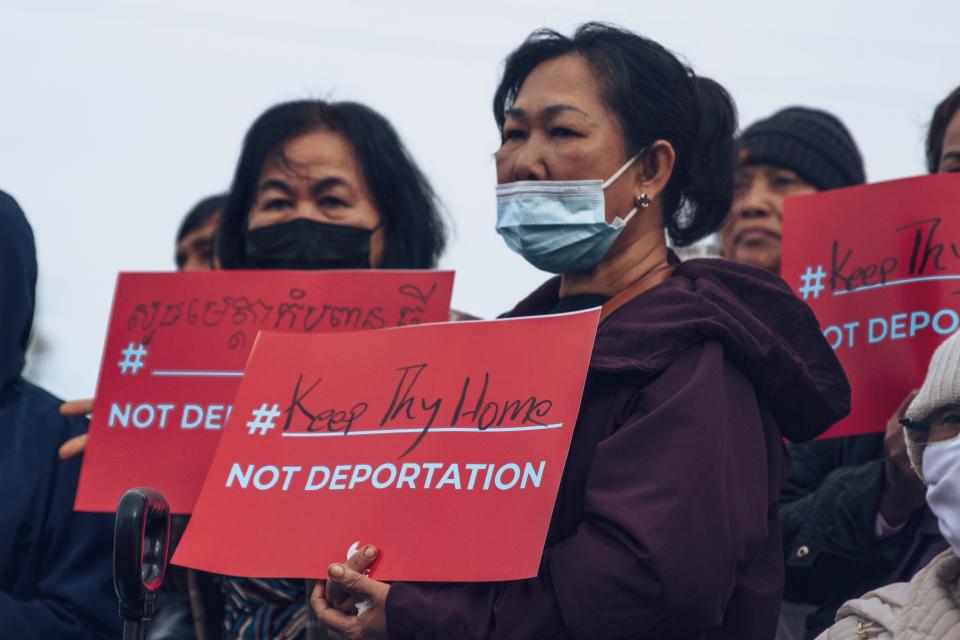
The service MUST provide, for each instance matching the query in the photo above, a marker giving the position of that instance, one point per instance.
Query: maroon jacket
(666, 521)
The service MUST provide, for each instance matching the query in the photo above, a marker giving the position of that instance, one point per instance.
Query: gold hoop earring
(643, 201)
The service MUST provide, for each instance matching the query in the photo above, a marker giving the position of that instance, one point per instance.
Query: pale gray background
(117, 116)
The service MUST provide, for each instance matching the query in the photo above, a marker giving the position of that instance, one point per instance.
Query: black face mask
(307, 244)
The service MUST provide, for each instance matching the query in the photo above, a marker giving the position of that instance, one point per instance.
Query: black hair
(414, 233)
(200, 214)
(654, 97)
(942, 116)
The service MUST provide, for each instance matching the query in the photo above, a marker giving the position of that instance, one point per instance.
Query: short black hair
(414, 233)
(654, 97)
(942, 116)
(200, 214)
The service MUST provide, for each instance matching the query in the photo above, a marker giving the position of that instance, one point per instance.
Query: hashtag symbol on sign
(263, 419)
(132, 358)
(812, 282)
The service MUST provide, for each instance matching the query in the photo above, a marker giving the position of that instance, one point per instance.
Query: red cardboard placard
(175, 352)
(880, 267)
(442, 444)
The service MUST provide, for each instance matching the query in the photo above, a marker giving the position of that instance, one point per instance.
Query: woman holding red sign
(318, 186)
(666, 521)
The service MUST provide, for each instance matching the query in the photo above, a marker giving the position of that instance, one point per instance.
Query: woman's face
(950, 154)
(559, 129)
(316, 177)
(751, 232)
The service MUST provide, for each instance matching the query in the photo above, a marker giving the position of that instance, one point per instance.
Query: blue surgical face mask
(559, 226)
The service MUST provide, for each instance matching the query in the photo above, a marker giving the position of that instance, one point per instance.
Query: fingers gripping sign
(359, 560)
(77, 407)
(369, 625)
(75, 445)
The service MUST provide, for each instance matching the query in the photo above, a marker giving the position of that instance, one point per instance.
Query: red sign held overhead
(880, 267)
(443, 445)
(175, 353)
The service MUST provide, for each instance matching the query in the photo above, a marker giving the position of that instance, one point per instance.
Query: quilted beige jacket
(926, 608)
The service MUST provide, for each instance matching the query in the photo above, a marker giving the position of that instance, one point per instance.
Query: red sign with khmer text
(175, 352)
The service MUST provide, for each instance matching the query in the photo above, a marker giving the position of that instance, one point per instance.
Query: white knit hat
(942, 384)
(941, 387)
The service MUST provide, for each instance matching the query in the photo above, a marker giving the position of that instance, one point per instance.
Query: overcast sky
(117, 116)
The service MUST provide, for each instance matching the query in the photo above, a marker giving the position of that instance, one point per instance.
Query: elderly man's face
(942, 424)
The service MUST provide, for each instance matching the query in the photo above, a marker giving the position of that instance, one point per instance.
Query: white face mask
(941, 471)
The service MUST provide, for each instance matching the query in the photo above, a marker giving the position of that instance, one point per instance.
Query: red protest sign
(880, 267)
(175, 352)
(442, 444)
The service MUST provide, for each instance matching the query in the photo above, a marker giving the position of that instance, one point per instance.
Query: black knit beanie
(812, 143)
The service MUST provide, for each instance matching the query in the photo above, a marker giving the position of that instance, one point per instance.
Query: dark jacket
(666, 521)
(55, 565)
(828, 511)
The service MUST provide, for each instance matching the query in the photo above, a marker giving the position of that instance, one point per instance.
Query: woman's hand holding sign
(341, 599)
(904, 492)
(337, 597)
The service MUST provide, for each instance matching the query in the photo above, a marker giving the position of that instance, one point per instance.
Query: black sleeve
(73, 598)
(828, 510)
